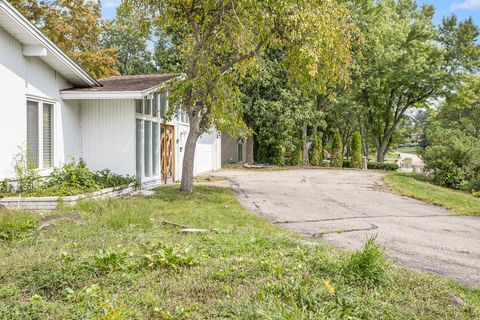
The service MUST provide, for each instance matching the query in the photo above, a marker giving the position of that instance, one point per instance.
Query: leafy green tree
(219, 43)
(75, 26)
(356, 159)
(405, 62)
(337, 154)
(166, 55)
(126, 34)
(461, 110)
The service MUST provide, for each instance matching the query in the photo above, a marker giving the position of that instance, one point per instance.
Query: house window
(47, 135)
(39, 134)
(32, 134)
(147, 137)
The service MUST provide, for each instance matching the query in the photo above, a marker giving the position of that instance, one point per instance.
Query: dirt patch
(49, 221)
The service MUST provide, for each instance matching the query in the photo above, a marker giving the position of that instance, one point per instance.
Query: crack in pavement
(353, 218)
(322, 233)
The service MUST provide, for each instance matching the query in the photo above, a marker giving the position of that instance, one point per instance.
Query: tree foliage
(129, 36)
(75, 27)
(219, 43)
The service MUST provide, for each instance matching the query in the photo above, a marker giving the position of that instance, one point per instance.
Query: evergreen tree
(356, 150)
(316, 154)
(297, 158)
(337, 146)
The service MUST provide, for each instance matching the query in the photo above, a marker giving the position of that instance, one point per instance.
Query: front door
(168, 152)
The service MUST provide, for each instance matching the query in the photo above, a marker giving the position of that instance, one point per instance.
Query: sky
(462, 8)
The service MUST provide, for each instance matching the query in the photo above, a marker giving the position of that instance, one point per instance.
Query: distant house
(53, 108)
(236, 151)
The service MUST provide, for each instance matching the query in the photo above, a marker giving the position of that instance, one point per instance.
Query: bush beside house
(73, 178)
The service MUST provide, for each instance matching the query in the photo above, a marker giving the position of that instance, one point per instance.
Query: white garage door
(203, 158)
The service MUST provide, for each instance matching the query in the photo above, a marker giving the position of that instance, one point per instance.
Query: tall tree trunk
(189, 157)
(305, 143)
(382, 149)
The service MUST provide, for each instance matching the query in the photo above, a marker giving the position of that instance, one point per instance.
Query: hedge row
(376, 165)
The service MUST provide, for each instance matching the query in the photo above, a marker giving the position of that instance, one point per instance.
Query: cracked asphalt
(345, 206)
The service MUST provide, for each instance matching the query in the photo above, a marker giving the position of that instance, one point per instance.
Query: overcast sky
(462, 8)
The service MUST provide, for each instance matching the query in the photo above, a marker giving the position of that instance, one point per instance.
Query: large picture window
(148, 136)
(40, 134)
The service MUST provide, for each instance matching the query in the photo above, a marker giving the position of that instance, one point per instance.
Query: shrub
(316, 154)
(71, 179)
(454, 158)
(356, 149)
(107, 179)
(450, 175)
(346, 164)
(5, 187)
(383, 166)
(337, 148)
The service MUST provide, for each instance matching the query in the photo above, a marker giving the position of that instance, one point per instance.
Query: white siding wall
(21, 76)
(108, 135)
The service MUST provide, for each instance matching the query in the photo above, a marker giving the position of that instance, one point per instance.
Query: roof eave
(72, 94)
(100, 95)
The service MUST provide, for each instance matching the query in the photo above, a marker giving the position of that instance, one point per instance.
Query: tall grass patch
(139, 268)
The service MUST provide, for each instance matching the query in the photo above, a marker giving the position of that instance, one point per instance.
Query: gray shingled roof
(128, 83)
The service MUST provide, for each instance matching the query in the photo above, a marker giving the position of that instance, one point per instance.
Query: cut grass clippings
(417, 187)
(122, 262)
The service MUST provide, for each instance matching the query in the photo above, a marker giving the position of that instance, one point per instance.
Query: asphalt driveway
(345, 206)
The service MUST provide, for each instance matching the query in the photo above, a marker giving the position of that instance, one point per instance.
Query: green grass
(119, 261)
(412, 150)
(418, 187)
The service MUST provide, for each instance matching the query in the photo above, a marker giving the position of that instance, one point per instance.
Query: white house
(52, 107)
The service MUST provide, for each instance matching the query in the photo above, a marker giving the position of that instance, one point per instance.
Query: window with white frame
(147, 136)
(40, 133)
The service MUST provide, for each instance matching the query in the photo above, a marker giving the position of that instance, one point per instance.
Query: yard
(115, 259)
